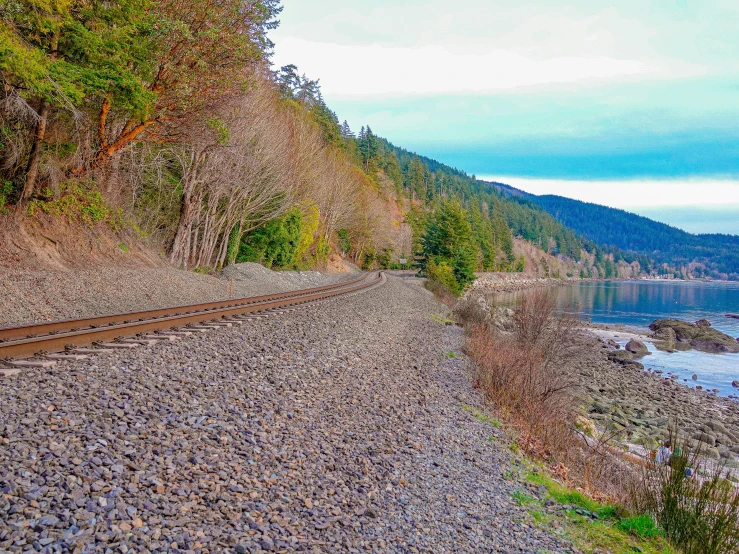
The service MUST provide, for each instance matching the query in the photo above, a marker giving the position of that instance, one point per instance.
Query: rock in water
(705, 339)
(735, 384)
(637, 347)
(694, 377)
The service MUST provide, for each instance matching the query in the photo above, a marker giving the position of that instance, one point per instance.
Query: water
(638, 303)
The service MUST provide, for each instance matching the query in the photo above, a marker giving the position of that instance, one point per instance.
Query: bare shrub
(530, 377)
(527, 372)
(470, 311)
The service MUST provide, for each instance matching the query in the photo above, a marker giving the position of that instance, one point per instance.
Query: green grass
(611, 530)
(123, 247)
(451, 354)
(443, 319)
(485, 418)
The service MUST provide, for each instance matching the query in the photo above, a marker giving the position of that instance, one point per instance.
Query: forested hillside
(165, 123)
(716, 256)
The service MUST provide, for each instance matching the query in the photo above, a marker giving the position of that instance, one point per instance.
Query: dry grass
(529, 376)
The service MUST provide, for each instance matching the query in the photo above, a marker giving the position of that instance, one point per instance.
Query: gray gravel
(334, 428)
(27, 296)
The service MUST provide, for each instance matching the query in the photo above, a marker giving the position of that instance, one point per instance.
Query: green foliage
(520, 264)
(448, 243)
(641, 525)
(443, 274)
(345, 245)
(65, 51)
(274, 244)
(310, 222)
(368, 259)
(699, 515)
(6, 190)
(322, 251)
(80, 202)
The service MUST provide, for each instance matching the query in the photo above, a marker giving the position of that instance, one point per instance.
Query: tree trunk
(38, 141)
(35, 157)
(188, 211)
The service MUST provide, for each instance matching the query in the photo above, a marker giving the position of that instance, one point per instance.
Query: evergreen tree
(448, 239)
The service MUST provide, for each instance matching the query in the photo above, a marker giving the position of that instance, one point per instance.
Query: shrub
(527, 373)
(699, 514)
(80, 202)
(274, 244)
(6, 190)
(443, 274)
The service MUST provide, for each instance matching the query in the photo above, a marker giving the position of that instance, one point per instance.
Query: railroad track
(70, 339)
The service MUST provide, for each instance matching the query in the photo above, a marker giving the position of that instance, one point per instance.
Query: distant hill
(711, 255)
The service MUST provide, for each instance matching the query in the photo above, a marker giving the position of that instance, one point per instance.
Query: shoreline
(637, 405)
(642, 405)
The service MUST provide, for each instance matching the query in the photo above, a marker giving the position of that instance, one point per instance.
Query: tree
(368, 147)
(346, 131)
(57, 54)
(448, 238)
(200, 51)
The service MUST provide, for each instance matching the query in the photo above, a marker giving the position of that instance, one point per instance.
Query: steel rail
(65, 325)
(58, 341)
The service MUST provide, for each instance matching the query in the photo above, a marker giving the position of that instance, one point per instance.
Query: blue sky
(581, 99)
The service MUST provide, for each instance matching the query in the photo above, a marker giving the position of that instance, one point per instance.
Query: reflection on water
(638, 303)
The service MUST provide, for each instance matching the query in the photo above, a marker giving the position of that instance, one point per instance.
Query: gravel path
(29, 296)
(337, 428)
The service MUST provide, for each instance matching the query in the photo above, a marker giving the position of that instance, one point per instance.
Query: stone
(694, 377)
(637, 347)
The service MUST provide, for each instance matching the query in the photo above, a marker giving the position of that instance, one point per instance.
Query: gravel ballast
(338, 427)
(28, 296)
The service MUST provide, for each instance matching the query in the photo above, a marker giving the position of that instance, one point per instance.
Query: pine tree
(346, 131)
(448, 238)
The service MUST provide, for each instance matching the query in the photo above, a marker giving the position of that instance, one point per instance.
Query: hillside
(705, 255)
(105, 160)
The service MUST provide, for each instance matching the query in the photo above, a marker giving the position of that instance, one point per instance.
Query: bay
(638, 303)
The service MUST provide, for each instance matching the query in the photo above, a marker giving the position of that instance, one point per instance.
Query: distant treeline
(706, 255)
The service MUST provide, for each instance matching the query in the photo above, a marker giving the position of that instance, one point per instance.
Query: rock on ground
(29, 295)
(334, 428)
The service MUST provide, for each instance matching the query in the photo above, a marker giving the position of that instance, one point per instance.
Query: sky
(632, 104)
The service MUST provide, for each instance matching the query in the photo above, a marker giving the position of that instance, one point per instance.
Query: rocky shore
(637, 406)
(642, 406)
(489, 283)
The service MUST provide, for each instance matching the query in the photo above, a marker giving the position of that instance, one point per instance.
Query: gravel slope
(337, 428)
(29, 296)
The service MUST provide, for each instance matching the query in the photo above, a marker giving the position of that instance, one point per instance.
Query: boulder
(694, 377)
(637, 347)
(703, 323)
(621, 356)
(735, 384)
(705, 339)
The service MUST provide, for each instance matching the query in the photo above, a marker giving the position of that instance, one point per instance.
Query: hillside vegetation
(672, 251)
(164, 123)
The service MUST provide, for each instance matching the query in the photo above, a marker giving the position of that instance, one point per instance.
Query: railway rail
(49, 341)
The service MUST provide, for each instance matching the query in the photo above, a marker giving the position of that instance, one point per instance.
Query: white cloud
(346, 70)
(634, 194)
